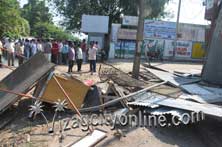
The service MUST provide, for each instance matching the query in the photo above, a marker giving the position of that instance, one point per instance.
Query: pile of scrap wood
(159, 92)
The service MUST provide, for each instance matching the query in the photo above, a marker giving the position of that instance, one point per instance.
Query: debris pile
(157, 92)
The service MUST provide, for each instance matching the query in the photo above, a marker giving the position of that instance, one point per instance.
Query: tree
(48, 30)
(36, 11)
(139, 41)
(72, 10)
(12, 24)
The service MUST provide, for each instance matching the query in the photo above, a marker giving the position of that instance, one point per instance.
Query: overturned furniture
(50, 92)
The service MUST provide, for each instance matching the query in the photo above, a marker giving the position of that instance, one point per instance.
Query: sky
(192, 11)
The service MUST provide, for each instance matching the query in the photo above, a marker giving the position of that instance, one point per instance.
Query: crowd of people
(56, 51)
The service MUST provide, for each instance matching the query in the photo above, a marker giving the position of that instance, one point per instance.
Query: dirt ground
(20, 131)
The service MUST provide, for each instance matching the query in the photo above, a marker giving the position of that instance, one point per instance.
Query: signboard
(95, 24)
(130, 21)
(127, 34)
(198, 50)
(125, 49)
(183, 49)
(155, 46)
(159, 29)
(168, 48)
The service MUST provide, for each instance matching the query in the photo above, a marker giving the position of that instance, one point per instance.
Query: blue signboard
(159, 29)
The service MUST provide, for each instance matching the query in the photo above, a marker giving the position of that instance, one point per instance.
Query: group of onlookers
(56, 51)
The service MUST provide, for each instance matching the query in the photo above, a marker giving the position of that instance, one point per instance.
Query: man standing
(65, 51)
(39, 46)
(47, 50)
(33, 47)
(83, 47)
(20, 51)
(55, 52)
(79, 58)
(27, 48)
(71, 57)
(60, 53)
(92, 58)
(11, 50)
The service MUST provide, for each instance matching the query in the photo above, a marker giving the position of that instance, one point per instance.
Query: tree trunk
(139, 41)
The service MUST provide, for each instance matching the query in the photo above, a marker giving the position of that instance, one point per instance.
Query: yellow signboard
(198, 50)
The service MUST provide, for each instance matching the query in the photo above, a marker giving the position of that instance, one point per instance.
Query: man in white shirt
(9, 45)
(92, 58)
(33, 47)
(79, 58)
(60, 52)
(39, 46)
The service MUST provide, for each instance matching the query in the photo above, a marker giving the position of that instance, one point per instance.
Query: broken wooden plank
(119, 91)
(89, 140)
(96, 108)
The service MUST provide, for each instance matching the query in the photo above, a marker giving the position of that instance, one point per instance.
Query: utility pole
(139, 40)
(177, 29)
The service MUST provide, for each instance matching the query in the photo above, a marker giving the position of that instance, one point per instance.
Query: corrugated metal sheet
(143, 100)
(166, 111)
(152, 99)
(196, 89)
(21, 79)
(202, 94)
(171, 78)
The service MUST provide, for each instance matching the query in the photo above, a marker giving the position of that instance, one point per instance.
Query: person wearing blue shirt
(65, 51)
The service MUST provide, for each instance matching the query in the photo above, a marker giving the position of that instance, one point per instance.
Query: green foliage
(47, 30)
(157, 8)
(72, 10)
(40, 20)
(12, 24)
(35, 11)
